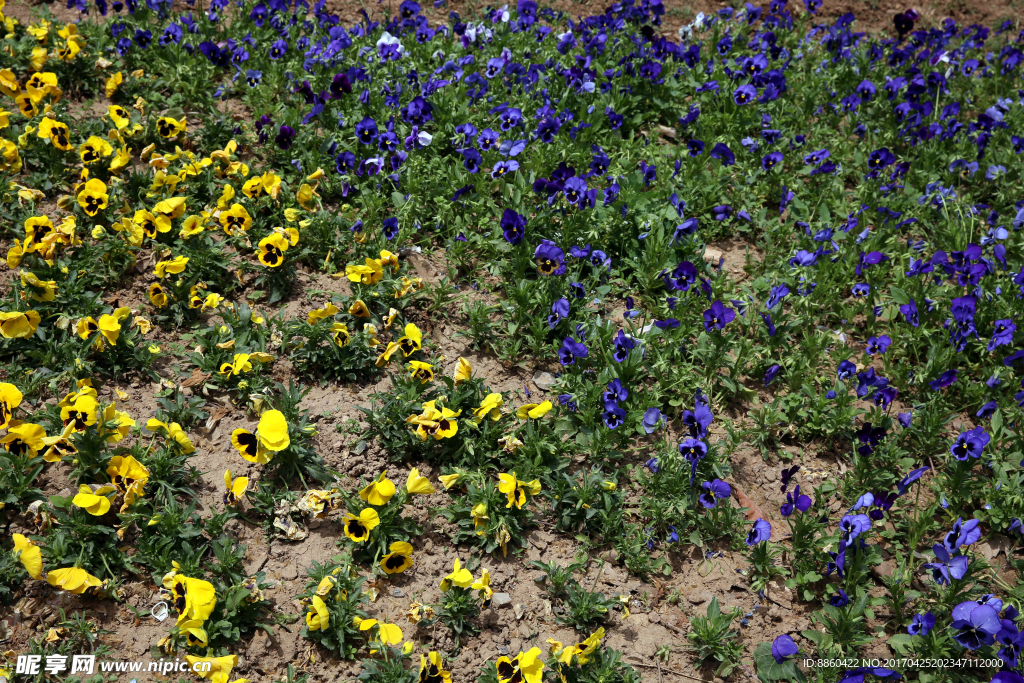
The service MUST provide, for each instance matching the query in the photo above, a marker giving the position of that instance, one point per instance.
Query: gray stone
(500, 600)
(698, 597)
(544, 380)
(712, 255)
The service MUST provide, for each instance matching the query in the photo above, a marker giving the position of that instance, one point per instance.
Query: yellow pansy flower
(167, 127)
(129, 476)
(412, 341)
(369, 274)
(18, 324)
(463, 372)
(483, 584)
(93, 500)
(93, 197)
(94, 149)
(172, 431)
(432, 669)
(424, 372)
(174, 266)
(340, 334)
(38, 290)
(490, 407)
(42, 84)
(271, 250)
(211, 302)
(119, 116)
(533, 410)
(358, 528)
(359, 309)
(56, 132)
(10, 398)
(112, 83)
(72, 579)
(398, 559)
(192, 226)
(172, 207)
(10, 159)
(516, 490)
(480, 517)
(316, 315)
(24, 438)
(460, 577)
(390, 350)
(236, 219)
(234, 488)
(271, 436)
(433, 422)
(195, 634)
(417, 483)
(379, 491)
(273, 430)
(157, 295)
(407, 285)
(450, 480)
(29, 555)
(192, 599)
(317, 617)
(237, 366)
(215, 669)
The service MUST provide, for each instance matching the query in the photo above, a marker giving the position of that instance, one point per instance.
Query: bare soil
(698, 574)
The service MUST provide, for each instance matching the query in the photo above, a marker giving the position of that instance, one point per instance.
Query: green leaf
(900, 296)
(997, 422)
(564, 427)
(900, 643)
(770, 670)
(826, 216)
(813, 636)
